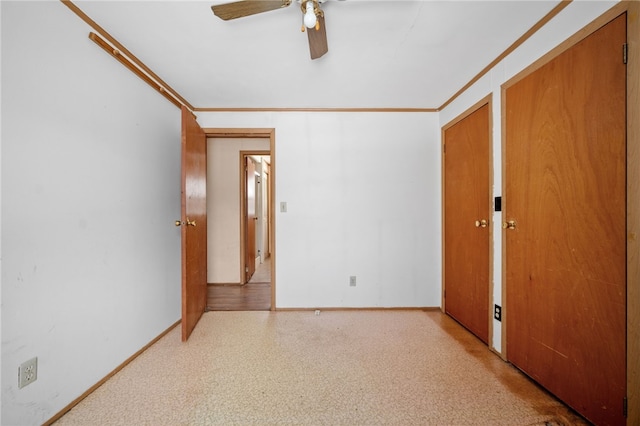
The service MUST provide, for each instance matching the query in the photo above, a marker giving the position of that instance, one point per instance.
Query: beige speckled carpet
(336, 368)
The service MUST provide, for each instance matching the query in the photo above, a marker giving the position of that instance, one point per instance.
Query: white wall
(90, 190)
(223, 206)
(569, 21)
(363, 196)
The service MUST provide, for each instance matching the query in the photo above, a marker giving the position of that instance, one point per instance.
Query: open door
(194, 222)
(251, 217)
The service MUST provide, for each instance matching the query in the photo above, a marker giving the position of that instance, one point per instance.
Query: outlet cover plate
(497, 312)
(27, 372)
(352, 280)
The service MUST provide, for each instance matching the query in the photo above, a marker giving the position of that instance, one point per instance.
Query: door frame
(487, 100)
(257, 133)
(243, 208)
(633, 185)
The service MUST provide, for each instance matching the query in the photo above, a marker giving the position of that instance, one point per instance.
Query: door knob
(511, 224)
(481, 223)
(178, 222)
(191, 222)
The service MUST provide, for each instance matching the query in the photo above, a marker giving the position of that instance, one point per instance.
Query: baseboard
(108, 376)
(376, 308)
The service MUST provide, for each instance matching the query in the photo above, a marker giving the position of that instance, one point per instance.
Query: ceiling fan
(312, 18)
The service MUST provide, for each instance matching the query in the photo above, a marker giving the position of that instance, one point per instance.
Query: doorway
(243, 257)
(254, 216)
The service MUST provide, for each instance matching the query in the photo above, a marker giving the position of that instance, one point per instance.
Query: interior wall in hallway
(223, 206)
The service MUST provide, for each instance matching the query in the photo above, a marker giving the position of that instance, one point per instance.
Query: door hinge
(624, 406)
(625, 53)
(444, 148)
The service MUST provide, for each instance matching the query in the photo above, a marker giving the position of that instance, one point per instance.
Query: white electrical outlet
(27, 372)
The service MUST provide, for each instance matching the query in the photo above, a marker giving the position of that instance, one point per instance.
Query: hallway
(253, 296)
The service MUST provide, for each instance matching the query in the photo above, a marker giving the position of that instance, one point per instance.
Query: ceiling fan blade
(240, 9)
(318, 40)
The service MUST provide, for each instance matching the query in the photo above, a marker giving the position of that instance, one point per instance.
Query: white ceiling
(382, 54)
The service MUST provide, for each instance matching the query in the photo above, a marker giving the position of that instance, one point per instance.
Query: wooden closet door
(565, 188)
(467, 202)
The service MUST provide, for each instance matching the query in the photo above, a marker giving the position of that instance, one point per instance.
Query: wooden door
(194, 223)
(565, 189)
(267, 184)
(250, 217)
(467, 202)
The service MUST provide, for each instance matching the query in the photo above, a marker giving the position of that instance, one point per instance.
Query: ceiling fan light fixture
(310, 19)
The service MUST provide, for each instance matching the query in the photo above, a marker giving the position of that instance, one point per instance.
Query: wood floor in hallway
(253, 296)
(248, 297)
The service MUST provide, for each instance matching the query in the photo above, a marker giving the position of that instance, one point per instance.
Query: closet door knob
(482, 223)
(511, 224)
